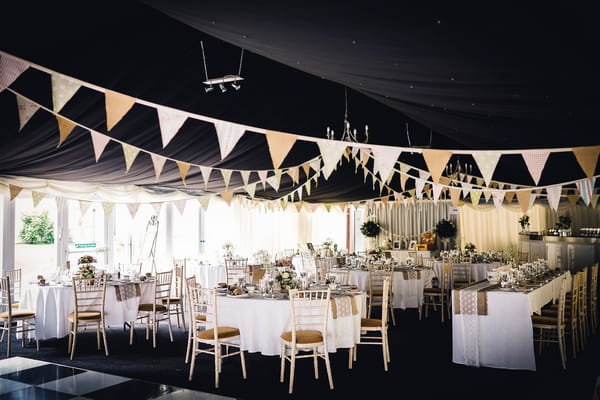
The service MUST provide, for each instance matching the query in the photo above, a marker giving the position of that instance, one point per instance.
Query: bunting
(436, 160)
(65, 127)
(226, 173)
(14, 191)
(205, 171)
(497, 198)
(535, 161)
(84, 206)
(594, 201)
(170, 122)
(294, 173)
(509, 196)
(475, 196)
(587, 158)
(245, 176)
(280, 145)
(26, 110)
(63, 88)
(36, 197)
(523, 197)
(117, 105)
(298, 206)
(130, 153)
(227, 195)
(487, 161)
(158, 162)
(183, 170)
(228, 135)
(99, 142)
(584, 186)
(553, 193)
(273, 180)
(204, 200)
(262, 175)
(133, 209)
(10, 70)
(251, 189)
(156, 207)
(384, 160)
(572, 198)
(108, 208)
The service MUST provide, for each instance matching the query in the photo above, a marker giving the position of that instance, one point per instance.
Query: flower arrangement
(524, 221)
(86, 270)
(370, 228)
(87, 259)
(284, 262)
(286, 277)
(470, 247)
(445, 229)
(262, 257)
(228, 249)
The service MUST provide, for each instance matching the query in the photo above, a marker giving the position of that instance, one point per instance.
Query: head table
(52, 304)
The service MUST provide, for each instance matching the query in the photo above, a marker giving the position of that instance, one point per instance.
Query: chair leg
(350, 355)
(104, 339)
(217, 364)
(193, 362)
(243, 361)
(292, 371)
(131, 325)
(328, 367)
(282, 364)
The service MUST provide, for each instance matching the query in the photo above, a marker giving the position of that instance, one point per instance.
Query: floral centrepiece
(228, 249)
(284, 262)
(286, 277)
(262, 257)
(87, 259)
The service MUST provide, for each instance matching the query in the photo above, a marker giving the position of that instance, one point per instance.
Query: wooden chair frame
(14, 320)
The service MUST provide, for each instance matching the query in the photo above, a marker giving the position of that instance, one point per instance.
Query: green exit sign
(85, 245)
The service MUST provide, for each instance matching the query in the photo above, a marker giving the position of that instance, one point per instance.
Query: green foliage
(564, 222)
(445, 229)
(37, 229)
(370, 229)
(524, 221)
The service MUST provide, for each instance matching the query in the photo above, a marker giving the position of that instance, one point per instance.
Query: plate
(239, 295)
(223, 294)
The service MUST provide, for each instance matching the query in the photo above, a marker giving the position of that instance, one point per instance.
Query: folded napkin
(127, 291)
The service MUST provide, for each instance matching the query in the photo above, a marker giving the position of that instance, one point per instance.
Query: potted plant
(370, 229)
(524, 222)
(445, 230)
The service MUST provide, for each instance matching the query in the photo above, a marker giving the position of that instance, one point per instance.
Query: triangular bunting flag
(298, 206)
(262, 175)
(204, 200)
(403, 179)
(487, 161)
(466, 189)
(36, 197)
(227, 195)
(587, 158)
(130, 153)
(170, 121)
(594, 201)
(26, 110)
(226, 173)
(10, 70)
(99, 141)
(280, 145)
(245, 176)
(331, 152)
(509, 197)
(156, 207)
(535, 161)
(306, 168)
(294, 173)
(14, 191)
(437, 190)
(133, 209)
(228, 135)
(365, 154)
(316, 165)
(553, 193)
(108, 208)
(487, 194)
(84, 206)
(183, 169)
(273, 180)
(65, 127)
(419, 184)
(205, 171)
(63, 88)
(117, 105)
(158, 162)
(307, 187)
(523, 197)
(180, 205)
(585, 190)
(284, 203)
(384, 160)
(424, 175)
(572, 198)
(498, 198)
(436, 160)
(251, 189)
(475, 196)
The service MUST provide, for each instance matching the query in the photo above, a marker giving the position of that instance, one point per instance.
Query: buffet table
(262, 320)
(503, 336)
(53, 303)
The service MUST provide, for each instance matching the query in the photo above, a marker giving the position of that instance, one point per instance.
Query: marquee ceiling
(509, 92)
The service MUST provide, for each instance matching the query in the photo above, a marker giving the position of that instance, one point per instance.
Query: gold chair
(310, 309)
(236, 269)
(592, 298)
(461, 275)
(15, 282)
(552, 329)
(151, 314)
(323, 267)
(375, 291)
(438, 296)
(176, 300)
(89, 297)
(190, 282)
(206, 331)
(584, 327)
(571, 314)
(14, 320)
(375, 331)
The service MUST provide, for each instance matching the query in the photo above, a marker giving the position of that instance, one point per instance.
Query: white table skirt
(262, 321)
(53, 303)
(504, 337)
(407, 293)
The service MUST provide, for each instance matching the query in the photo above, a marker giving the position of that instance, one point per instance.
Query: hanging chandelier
(348, 134)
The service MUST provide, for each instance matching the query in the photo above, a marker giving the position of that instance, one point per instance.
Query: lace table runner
(127, 291)
(411, 275)
(343, 306)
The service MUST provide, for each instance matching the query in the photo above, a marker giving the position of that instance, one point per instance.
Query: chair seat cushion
(86, 315)
(18, 314)
(148, 307)
(173, 300)
(432, 290)
(370, 323)
(223, 332)
(303, 336)
(544, 320)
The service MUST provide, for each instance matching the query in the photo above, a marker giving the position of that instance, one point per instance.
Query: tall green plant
(37, 229)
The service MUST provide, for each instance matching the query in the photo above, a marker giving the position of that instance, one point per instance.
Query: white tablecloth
(504, 337)
(261, 322)
(407, 293)
(208, 275)
(53, 303)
